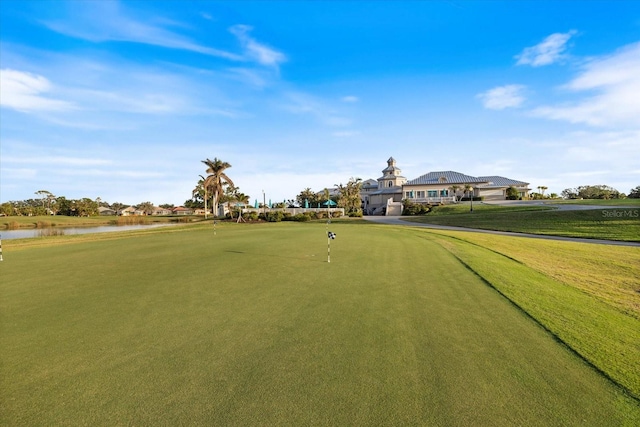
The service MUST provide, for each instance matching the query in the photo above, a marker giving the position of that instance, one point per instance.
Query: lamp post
(471, 198)
(264, 204)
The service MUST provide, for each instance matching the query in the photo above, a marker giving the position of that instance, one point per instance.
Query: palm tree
(46, 196)
(468, 189)
(454, 189)
(200, 188)
(215, 179)
(542, 189)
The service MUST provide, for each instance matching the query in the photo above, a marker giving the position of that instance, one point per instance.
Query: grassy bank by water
(17, 222)
(252, 326)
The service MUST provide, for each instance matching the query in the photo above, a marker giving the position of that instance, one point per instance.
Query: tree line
(598, 192)
(50, 204)
(217, 187)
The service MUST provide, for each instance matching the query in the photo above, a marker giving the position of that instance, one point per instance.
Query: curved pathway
(398, 220)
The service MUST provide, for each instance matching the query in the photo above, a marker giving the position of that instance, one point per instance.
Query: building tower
(391, 176)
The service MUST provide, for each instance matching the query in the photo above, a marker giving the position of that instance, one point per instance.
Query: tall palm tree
(468, 188)
(454, 189)
(201, 191)
(542, 189)
(215, 179)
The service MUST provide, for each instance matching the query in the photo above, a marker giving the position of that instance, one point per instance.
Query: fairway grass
(252, 326)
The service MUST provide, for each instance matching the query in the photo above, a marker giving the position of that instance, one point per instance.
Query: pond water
(27, 233)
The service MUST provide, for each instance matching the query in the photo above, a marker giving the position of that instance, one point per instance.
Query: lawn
(252, 326)
(598, 202)
(605, 223)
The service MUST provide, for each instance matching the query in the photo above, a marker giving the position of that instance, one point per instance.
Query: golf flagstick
(330, 237)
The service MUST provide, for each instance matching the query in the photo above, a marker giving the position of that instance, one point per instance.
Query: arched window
(390, 184)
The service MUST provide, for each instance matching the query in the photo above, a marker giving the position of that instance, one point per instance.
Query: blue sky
(123, 99)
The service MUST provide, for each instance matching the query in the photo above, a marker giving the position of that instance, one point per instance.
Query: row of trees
(50, 204)
(597, 192)
(218, 188)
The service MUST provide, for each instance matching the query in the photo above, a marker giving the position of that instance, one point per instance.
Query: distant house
(106, 211)
(496, 187)
(131, 211)
(181, 210)
(128, 211)
(432, 188)
(161, 211)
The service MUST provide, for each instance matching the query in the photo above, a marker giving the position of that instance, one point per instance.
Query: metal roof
(501, 181)
(387, 190)
(445, 177)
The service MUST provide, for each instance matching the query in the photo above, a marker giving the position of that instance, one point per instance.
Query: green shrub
(411, 208)
(301, 217)
(275, 216)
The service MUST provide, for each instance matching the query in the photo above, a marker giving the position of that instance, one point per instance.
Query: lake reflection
(43, 232)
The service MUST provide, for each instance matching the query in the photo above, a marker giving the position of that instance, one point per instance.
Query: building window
(407, 195)
(432, 193)
(390, 184)
(420, 194)
(444, 193)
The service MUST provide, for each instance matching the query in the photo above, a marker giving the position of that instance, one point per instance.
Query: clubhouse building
(384, 196)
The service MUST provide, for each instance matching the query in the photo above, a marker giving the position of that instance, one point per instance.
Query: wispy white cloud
(57, 160)
(256, 78)
(112, 173)
(19, 173)
(501, 97)
(616, 80)
(24, 92)
(350, 98)
(114, 25)
(256, 51)
(346, 133)
(550, 50)
(301, 103)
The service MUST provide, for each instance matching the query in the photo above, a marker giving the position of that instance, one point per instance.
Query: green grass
(596, 202)
(12, 222)
(253, 327)
(611, 224)
(597, 315)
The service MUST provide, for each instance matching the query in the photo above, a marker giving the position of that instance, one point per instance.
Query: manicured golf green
(252, 326)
